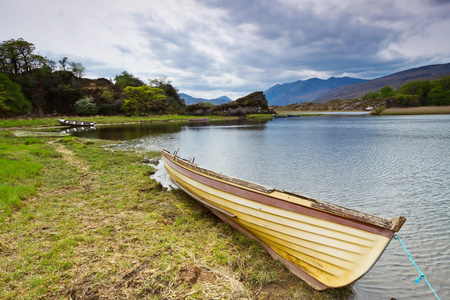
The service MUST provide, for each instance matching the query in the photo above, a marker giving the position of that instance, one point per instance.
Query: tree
(144, 99)
(107, 96)
(12, 101)
(408, 100)
(126, 79)
(63, 63)
(77, 69)
(48, 89)
(386, 92)
(445, 83)
(419, 88)
(438, 96)
(17, 56)
(176, 103)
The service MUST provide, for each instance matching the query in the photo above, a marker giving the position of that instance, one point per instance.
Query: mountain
(305, 91)
(192, 100)
(395, 81)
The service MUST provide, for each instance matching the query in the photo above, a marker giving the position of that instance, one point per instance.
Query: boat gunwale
(392, 225)
(75, 123)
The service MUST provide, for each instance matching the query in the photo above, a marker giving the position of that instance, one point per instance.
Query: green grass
(19, 171)
(53, 121)
(87, 222)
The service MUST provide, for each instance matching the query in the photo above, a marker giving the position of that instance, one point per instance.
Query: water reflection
(128, 132)
(73, 130)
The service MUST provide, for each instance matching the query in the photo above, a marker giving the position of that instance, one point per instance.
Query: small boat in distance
(293, 115)
(326, 245)
(75, 123)
(198, 120)
(279, 116)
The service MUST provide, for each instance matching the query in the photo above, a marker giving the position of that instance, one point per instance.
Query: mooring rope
(421, 275)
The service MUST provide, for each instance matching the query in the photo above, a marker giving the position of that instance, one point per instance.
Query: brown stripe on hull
(268, 200)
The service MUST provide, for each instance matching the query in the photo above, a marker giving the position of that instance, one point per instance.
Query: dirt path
(70, 158)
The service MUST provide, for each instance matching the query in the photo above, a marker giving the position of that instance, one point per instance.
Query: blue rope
(415, 265)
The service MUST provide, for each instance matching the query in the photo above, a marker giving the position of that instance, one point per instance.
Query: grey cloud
(259, 43)
(123, 50)
(174, 47)
(333, 42)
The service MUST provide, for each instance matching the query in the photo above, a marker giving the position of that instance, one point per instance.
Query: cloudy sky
(210, 48)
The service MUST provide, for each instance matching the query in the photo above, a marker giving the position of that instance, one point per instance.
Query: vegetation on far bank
(434, 93)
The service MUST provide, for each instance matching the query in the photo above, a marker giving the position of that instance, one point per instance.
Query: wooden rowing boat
(326, 245)
(74, 123)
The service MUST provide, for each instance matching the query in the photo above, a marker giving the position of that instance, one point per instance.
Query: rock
(154, 160)
(255, 103)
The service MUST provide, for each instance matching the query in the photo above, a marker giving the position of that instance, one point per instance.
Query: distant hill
(395, 81)
(192, 100)
(305, 91)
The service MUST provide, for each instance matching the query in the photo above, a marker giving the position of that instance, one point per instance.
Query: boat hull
(75, 123)
(325, 249)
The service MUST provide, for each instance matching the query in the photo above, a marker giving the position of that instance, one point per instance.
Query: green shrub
(377, 111)
(86, 106)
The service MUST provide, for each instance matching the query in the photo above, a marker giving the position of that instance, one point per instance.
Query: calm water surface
(387, 166)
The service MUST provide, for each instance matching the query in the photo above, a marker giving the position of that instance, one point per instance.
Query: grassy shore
(105, 120)
(422, 110)
(78, 221)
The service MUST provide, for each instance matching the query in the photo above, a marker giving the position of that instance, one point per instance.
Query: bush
(86, 106)
(377, 111)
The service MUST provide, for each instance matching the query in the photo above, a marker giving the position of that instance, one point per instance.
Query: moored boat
(293, 115)
(75, 123)
(326, 245)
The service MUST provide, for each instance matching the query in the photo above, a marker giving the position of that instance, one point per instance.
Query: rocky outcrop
(255, 103)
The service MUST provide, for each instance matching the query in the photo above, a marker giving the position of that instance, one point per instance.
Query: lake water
(387, 166)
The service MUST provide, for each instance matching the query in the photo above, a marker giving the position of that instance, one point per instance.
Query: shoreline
(421, 110)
